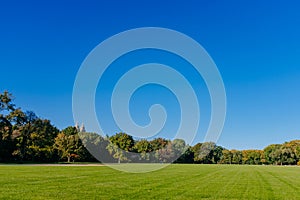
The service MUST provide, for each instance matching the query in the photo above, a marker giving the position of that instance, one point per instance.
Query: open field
(172, 182)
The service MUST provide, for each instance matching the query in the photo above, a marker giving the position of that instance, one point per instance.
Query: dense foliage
(24, 137)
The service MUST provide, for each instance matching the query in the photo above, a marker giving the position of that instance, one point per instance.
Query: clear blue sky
(255, 44)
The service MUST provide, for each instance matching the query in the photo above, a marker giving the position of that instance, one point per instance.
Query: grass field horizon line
(175, 181)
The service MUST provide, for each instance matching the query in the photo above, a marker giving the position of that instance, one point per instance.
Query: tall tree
(96, 146)
(21, 131)
(187, 156)
(252, 157)
(237, 157)
(41, 139)
(6, 138)
(227, 157)
(68, 144)
(182, 153)
(208, 153)
(119, 145)
(144, 148)
(6, 99)
(158, 143)
(165, 154)
(273, 154)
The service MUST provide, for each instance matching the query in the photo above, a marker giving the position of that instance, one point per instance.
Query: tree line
(24, 137)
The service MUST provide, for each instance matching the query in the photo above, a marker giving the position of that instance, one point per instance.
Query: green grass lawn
(172, 182)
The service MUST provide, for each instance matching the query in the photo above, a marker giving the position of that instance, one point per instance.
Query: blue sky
(255, 45)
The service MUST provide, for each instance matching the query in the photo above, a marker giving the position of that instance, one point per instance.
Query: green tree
(291, 152)
(41, 139)
(187, 156)
(22, 129)
(68, 144)
(182, 151)
(207, 153)
(227, 157)
(119, 145)
(196, 150)
(165, 154)
(6, 101)
(237, 157)
(252, 157)
(144, 148)
(179, 146)
(273, 154)
(96, 146)
(217, 154)
(6, 138)
(158, 143)
(288, 154)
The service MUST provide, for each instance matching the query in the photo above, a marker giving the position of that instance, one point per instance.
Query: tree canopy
(25, 137)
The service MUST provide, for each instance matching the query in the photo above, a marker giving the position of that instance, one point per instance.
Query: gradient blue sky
(255, 45)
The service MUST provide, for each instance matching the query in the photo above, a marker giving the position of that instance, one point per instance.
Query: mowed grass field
(172, 182)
